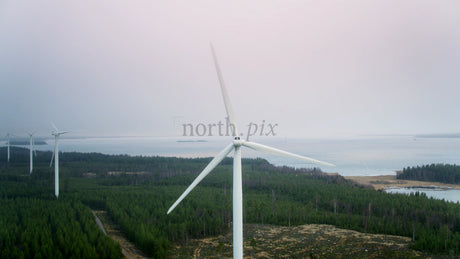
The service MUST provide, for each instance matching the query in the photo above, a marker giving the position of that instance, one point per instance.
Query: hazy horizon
(316, 69)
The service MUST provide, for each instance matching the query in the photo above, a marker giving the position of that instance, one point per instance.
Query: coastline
(380, 182)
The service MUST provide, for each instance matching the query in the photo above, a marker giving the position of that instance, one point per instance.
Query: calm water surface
(452, 195)
(352, 156)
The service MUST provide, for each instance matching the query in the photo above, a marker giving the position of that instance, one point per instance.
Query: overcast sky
(315, 68)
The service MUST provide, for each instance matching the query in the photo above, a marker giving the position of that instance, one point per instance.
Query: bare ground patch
(383, 181)
(306, 241)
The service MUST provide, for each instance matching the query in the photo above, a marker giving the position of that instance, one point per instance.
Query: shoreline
(381, 182)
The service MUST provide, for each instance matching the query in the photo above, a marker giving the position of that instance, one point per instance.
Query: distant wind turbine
(8, 149)
(31, 150)
(56, 133)
(235, 146)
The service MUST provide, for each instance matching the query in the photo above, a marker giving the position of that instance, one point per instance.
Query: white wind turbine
(31, 150)
(8, 149)
(235, 146)
(56, 133)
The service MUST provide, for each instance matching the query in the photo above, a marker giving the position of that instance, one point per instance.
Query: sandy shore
(382, 181)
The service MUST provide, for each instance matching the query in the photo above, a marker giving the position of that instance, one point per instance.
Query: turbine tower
(31, 150)
(56, 133)
(235, 146)
(8, 149)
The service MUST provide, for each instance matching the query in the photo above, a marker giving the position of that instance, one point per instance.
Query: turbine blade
(54, 126)
(228, 106)
(52, 158)
(214, 162)
(275, 151)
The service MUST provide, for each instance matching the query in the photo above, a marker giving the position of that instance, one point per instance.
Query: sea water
(440, 193)
(358, 156)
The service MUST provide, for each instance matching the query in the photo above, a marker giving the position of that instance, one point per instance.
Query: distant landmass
(26, 142)
(200, 140)
(443, 173)
(448, 135)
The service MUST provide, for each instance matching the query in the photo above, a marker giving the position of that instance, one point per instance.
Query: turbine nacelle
(57, 134)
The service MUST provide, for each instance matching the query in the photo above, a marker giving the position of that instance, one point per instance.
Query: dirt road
(111, 229)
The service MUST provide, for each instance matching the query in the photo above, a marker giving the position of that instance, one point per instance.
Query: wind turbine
(31, 149)
(56, 133)
(235, 146)
(8, 149)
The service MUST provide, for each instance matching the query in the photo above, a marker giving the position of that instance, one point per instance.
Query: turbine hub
(237, 142)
